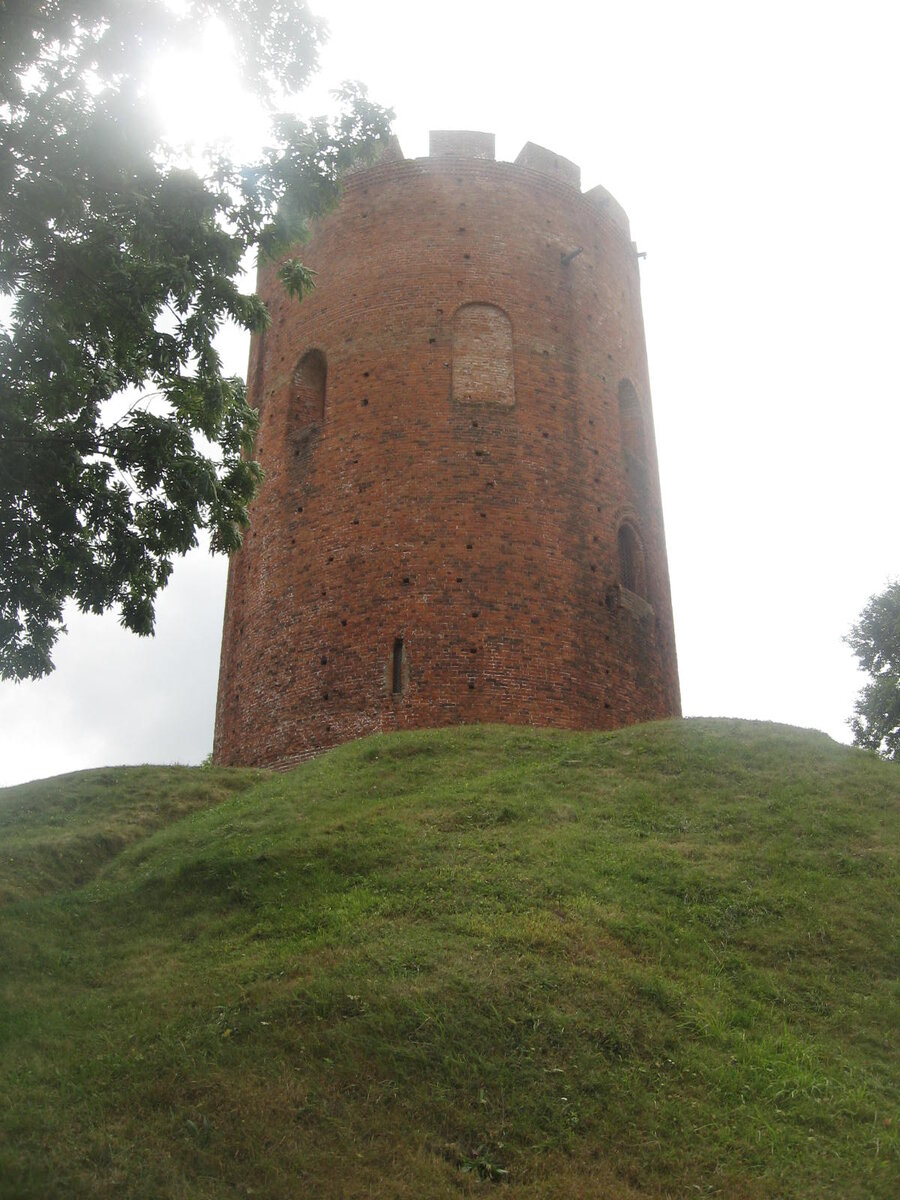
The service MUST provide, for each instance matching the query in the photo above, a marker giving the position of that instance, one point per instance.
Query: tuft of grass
(659, 962)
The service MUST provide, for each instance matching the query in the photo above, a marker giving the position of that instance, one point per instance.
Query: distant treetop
(875, 640)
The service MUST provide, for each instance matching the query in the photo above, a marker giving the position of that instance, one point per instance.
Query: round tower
(461, 517)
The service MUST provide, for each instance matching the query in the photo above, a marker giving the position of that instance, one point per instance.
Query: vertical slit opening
(397, 672)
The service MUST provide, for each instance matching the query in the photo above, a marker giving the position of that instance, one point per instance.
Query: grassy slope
(58, 833)
(660, 962)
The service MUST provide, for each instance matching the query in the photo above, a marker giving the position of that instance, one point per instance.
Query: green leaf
(122, 268)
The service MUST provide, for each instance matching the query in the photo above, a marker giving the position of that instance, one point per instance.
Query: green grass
(58, 833)
(655, 963)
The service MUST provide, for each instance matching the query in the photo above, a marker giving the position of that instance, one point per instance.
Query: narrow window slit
(397, 672)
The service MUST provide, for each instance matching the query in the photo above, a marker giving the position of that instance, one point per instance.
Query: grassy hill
(661, 962)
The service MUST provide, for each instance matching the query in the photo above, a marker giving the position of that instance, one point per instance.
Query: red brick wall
(482, 361)
(483, 532)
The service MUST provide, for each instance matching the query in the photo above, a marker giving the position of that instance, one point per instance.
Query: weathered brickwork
(481, 356)
(461, 517)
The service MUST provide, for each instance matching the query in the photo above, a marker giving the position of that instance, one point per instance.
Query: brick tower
(461, 517)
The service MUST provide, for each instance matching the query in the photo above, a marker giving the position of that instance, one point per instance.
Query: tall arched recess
(631, 425)
(483, 356)
(632, 562)
(308, 386)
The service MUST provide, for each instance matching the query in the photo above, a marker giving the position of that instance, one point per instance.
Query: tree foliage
(119, 268)
(875, 640)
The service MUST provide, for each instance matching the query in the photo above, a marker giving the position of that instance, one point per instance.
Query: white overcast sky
(754, 147)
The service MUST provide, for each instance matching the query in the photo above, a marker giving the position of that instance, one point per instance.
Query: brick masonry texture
(464, 488)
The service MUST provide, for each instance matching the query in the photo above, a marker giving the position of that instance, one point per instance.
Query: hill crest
(641, 963)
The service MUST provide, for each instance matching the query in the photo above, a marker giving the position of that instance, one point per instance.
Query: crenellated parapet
(474, 144)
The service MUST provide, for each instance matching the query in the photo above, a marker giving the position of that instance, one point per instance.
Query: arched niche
(482, 356)
(631, 423)
(308, 385)
(632, 561)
